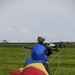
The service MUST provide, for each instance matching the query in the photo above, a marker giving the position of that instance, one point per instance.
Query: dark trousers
(47, 68)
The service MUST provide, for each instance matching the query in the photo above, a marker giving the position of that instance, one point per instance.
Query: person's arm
(54, 49)
(51, 48)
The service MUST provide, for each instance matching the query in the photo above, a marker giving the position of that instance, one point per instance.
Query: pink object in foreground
(15, 72)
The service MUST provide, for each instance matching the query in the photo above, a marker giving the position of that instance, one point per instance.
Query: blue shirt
(37, 55)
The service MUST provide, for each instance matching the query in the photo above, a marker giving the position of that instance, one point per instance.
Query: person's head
(40, 39)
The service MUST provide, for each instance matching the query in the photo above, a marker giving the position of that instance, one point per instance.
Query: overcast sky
(25, 20)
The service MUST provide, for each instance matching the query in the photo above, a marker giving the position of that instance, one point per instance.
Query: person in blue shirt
(37, 54)
(40, 52)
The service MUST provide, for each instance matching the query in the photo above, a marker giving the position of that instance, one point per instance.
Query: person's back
(38, 53)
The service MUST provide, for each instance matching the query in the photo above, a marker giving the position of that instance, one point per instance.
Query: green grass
(67, 62)
(14, 58)
(11, 58)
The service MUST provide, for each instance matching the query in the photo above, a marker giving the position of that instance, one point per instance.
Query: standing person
(48, 52)
(40, 53)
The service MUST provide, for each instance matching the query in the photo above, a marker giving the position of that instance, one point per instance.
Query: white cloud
(7, 30)
(25, 32)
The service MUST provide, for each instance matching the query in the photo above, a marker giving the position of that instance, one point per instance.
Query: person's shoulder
(47, 45)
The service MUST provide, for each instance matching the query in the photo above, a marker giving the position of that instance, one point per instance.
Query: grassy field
(14, 58)
(67, 62)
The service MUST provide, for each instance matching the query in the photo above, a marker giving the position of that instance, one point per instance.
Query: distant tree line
(64, 44)
(60, 44)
